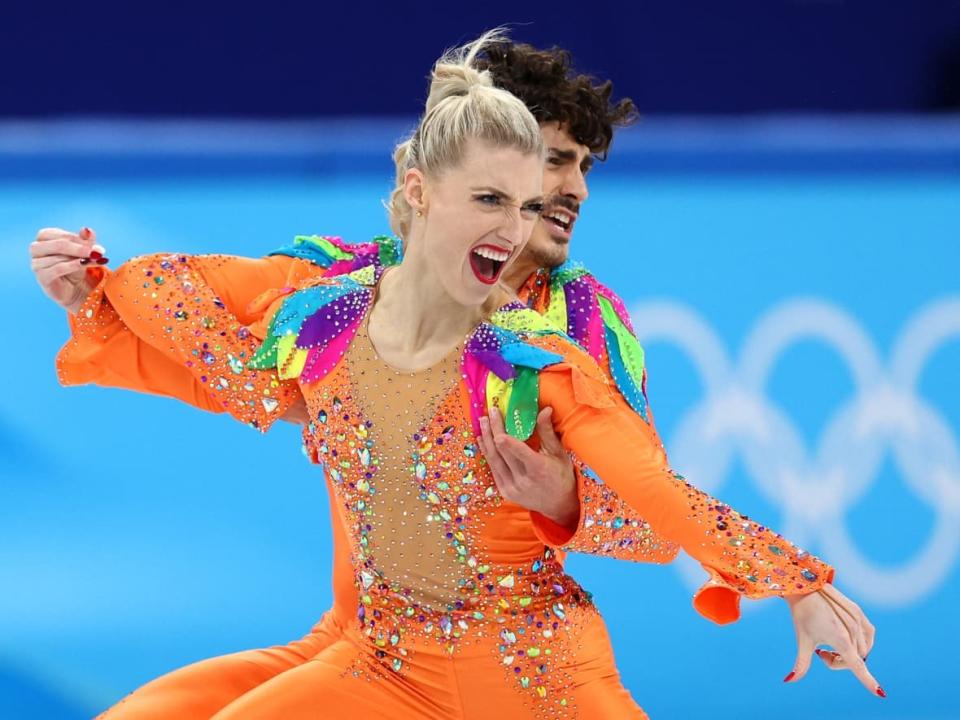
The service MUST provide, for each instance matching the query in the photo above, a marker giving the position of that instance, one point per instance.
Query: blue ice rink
(798, 296)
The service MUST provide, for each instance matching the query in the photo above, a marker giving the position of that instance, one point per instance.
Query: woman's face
(478, 216)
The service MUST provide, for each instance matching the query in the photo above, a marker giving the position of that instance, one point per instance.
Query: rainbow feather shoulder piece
(340, 257)
(597, 319)
(311, 330)
(314, 325)
(501, 369)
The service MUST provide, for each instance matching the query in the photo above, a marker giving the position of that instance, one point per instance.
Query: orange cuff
(551, 533)
(719, 600)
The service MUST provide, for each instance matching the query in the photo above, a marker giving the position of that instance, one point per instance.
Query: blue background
(138, 535)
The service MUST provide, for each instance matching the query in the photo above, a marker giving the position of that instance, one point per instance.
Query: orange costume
(449, 601)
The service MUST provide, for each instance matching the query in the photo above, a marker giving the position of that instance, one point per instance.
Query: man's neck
(516, 275)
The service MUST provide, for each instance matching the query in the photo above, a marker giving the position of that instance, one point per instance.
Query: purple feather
(493, 360)
(330, 320)
(483, 339)
(580, 308)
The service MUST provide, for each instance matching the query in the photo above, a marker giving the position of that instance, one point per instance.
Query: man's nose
(574, 184)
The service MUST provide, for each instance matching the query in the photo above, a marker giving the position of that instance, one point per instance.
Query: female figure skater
(462, 609)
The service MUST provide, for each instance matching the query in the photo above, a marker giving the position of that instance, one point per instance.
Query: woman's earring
(419, 213)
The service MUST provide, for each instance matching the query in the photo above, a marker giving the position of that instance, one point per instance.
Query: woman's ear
(415, 190)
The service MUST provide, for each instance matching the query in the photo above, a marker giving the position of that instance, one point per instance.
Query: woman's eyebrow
(493, 191)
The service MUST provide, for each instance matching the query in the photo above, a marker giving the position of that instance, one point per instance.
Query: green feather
(389, 250)
(566, 273)
(521, 416)
(327, 246)
(630, 350)
(556, 313)
(522, 321)
(266, 355)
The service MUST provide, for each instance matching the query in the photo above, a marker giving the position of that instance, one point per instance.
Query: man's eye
(533, 209)
(489, 199)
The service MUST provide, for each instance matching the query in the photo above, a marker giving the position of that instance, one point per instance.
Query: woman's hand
(59, 259)
(828, 617)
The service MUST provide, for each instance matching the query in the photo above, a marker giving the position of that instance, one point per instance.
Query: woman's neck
(414, 322)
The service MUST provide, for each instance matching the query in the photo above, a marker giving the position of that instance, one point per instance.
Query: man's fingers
(501, 473)
(496, 423)
(501, 439)
(549, 442)
(516, 454)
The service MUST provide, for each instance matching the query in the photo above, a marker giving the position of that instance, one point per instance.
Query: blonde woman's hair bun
(462, 103)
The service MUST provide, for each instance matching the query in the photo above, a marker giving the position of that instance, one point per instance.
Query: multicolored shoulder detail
(340, 257)
(314, 325)
(597, 319)
(501, 368)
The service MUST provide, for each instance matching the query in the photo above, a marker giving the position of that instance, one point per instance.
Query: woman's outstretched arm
(742, 556)
(167, 324)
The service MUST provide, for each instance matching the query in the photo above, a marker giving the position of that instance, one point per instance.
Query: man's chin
(552, 253)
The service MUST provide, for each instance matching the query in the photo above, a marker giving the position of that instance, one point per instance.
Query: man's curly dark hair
(545, 83)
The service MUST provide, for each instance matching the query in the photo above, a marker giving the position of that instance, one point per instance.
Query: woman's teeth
(498, 255)
(487, 263)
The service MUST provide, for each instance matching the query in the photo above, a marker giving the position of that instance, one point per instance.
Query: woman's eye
(555, 161)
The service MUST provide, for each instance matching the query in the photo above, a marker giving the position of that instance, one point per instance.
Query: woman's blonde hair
(463, 104)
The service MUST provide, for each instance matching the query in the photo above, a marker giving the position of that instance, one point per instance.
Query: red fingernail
(880, 691)
(103, 261)
(94, 255)
(789, 677)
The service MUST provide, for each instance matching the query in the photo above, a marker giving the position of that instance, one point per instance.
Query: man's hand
(541, 481)
(828, 617)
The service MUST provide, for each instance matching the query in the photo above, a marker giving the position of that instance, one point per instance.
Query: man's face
(564, 189)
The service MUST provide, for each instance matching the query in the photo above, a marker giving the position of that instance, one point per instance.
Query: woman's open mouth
(487, 261)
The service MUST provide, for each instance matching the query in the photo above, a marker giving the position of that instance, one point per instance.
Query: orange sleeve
(175, 325)
(606, 526)
(742, 557)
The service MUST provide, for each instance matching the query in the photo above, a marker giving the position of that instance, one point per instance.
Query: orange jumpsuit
(494, 622)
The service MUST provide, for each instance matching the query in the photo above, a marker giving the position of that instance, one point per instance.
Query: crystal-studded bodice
(401, 533)
(428, 528)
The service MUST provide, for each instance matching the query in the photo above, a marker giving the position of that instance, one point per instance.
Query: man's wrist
(568, 519)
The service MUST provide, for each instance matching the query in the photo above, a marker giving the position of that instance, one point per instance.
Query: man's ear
(415, 190)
